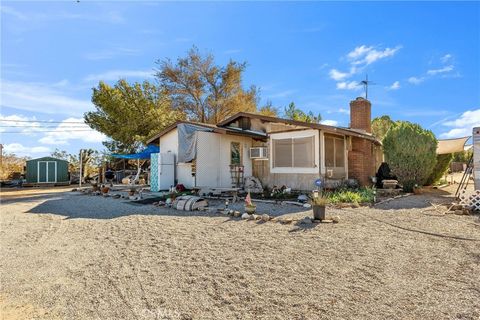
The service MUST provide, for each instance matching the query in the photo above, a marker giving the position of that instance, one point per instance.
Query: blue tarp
(144, 155)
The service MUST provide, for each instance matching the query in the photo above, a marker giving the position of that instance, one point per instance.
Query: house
(276, 151)
(47, 170)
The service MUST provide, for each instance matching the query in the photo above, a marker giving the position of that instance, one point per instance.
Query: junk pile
(253, 185)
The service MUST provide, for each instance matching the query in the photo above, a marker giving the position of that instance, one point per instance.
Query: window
(334, 152)
(294, 152)
(235, 153)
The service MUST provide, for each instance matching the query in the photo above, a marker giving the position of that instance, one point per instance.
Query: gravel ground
(65, 255)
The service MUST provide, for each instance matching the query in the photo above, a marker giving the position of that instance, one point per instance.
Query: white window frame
(294, 135)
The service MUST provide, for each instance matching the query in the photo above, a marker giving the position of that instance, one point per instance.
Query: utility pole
(80, 179)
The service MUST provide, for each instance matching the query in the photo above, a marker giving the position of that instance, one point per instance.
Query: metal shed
(47, 170)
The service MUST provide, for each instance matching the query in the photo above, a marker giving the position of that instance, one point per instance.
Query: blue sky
(423, 58)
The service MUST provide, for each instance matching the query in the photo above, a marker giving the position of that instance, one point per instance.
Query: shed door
(52, 171)
(47, 171)
(42, 171)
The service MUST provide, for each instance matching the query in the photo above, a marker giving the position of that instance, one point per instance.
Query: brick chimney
(360, 114)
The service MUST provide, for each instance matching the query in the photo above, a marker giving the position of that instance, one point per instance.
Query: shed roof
(46, 159)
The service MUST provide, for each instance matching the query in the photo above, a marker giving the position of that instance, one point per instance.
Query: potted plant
(105, 189)
(250, 207)
(318, 205)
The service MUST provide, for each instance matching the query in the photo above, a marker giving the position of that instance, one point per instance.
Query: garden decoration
(250, 207)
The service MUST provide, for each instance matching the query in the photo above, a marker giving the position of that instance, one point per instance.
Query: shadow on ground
(74, 206)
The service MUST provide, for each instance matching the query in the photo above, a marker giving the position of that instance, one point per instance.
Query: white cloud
(359, 52)
(329, 122)
(415, 80)
(395, 86)
(343, 110)
(359, 58)
(38, 97)
(21, 150)
(17, 123)
(114, 75)
(446, 58)
(368, 55)
(338, 75)
(352, 85)
(65, 132)
(463, 125)
(445, 69)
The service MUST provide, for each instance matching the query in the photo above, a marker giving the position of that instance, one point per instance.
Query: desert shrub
(410, 152)
(362, 195)
(443, 162)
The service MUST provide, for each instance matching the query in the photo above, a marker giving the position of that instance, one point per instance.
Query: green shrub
(410, 152)
(443, 162)
(362, 195)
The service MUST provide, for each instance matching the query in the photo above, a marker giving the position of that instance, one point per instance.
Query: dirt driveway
(69, 256)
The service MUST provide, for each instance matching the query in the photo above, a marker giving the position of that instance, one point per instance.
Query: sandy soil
(69, 256)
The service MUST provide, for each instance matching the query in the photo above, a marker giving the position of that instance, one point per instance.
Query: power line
(43, 126)
(46, 121)
(90, 130)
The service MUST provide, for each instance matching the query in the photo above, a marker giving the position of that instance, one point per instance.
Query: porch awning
(451, 145)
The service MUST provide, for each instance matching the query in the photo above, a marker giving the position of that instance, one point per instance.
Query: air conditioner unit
(258, 153)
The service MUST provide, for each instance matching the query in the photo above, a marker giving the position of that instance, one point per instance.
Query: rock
(256, 217)
(466, 212)
(306, 220)
(105, 195)
(302, 198)
(265, 217)
(336, 219)
(286, 220)
(458, 212)
(132, 197)
(74, 189)
(355, 205)
(456, 207)
(327, 221)
(236, 214)
(247, 216)
(307, 205)
(116, 196)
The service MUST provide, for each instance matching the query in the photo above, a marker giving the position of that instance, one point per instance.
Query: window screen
(329, 152)
(339, 153)
(282, 153)
(294, 152)
(334, 152)
(303, 152)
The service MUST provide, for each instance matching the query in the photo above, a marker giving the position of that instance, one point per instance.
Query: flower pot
(319, 212)
(250, 209)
